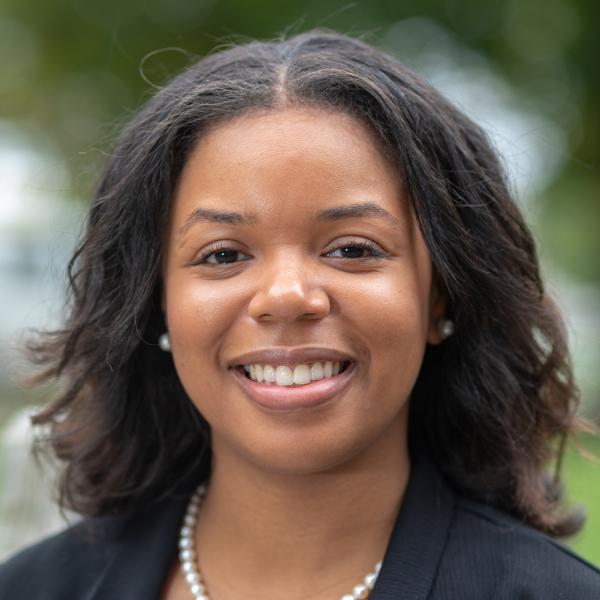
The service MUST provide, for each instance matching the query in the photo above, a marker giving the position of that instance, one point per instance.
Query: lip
(290, 356)
(274, 398)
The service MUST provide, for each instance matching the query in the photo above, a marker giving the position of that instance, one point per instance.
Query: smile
(288, 395)
(301, 374)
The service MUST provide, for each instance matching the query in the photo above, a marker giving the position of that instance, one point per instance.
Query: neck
(279, 531)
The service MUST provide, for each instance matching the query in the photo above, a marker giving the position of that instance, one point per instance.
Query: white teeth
(283, 376)
(269, 374)
(299, 375)
(316, 371)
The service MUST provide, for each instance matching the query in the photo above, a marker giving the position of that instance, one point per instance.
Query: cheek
(391, 316)
(392, 305)
(197, 313)
(199, 317)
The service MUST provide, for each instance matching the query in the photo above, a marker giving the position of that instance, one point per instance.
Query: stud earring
(164, 342)
(445, 328)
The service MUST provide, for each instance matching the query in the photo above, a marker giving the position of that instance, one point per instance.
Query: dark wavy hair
(493, 405)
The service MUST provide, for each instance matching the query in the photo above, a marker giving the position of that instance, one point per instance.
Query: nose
(287, 291)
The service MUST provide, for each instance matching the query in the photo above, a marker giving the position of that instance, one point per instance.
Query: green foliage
(582, 477)
(570, 220)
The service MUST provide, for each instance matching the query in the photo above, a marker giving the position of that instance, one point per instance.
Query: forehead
(285, 161)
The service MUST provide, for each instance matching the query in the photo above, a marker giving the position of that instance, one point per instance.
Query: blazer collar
(140, 550)
(417, 541)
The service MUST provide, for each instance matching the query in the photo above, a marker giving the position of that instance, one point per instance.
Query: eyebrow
(347, 211)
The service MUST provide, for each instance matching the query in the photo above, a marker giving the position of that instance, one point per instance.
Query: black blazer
(443, 547)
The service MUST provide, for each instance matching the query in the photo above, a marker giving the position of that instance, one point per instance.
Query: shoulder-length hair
(492, 405)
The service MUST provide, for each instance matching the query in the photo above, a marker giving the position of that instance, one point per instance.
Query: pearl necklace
(191, 571)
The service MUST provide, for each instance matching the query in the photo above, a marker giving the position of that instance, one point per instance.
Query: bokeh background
(73, 71)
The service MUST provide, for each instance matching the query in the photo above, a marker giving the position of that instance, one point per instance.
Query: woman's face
(290, 231)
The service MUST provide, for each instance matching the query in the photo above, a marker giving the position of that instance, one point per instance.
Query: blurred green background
(73, 71)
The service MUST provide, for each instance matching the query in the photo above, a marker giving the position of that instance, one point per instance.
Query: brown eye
(357, 250)
(222, 257)
(219, 255)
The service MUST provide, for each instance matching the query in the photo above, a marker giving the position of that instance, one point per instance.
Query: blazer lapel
(139, 552)
(419, 536)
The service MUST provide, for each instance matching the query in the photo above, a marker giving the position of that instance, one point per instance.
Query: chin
(308, 453)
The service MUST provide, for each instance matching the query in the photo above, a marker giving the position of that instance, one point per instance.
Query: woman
(306, 293)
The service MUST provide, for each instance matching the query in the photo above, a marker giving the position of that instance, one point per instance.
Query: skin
(300, 504)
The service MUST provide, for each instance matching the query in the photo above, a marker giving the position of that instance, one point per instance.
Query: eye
(218, 254)
(356, 249)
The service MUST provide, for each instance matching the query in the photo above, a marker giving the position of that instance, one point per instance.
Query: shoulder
(66, 562)
(511, 559)
(122, 556)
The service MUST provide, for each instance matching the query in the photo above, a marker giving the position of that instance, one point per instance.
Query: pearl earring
(445, 328)
(164, 342)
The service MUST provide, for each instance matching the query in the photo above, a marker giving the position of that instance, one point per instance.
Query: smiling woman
(312, 186)
(309, 343)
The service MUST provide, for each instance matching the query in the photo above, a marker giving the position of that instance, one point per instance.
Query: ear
(437, 311)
